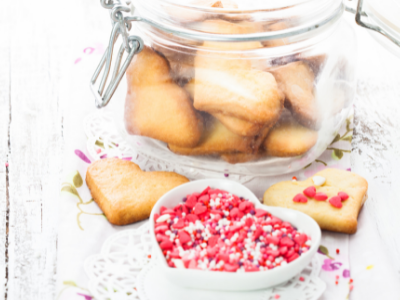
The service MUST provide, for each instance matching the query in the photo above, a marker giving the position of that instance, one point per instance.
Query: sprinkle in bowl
(187, 276)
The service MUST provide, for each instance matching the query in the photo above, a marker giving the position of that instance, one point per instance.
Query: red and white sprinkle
(217, 231)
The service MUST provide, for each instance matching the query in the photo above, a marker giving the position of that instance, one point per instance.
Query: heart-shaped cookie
(124, 192)
(156, 106)
(329, 213)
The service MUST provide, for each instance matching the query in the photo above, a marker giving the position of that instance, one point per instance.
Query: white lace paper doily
(122, 272)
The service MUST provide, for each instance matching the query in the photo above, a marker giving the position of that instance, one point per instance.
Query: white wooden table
(37, 43)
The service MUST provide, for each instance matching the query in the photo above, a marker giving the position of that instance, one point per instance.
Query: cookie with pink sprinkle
(332, 197)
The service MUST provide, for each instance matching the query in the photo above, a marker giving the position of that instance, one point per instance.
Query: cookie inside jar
(237, 91)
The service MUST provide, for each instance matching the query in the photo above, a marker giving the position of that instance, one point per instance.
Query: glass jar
(252, 89)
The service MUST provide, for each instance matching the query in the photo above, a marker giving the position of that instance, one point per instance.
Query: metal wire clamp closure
(360, 13)
(131, 44)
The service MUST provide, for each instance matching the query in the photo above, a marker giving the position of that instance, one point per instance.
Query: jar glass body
(244, 105)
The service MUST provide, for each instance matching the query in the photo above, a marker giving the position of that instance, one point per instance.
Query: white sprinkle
(178, 263)
(267, 228)
(319, 180)
(163, 218)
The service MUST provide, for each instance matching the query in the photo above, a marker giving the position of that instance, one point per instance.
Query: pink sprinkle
(88, 50)
(277, 296)
(212, 249)
(351, 287)
(7, 164)
(301, 278)
(98, 150)
(337, 277)
(77, 60)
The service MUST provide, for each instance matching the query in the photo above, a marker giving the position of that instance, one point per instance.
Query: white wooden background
(37, 44)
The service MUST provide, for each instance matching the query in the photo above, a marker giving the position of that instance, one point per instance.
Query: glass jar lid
(184, 17)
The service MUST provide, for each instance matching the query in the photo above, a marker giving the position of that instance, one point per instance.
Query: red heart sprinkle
(192, 264)
(224, 257)
(310, 191)
(156, 216)
(234, 212)
(184, 237)
(205, 191)
(212, 241)
(249, 222)
(301, 239)
(257, 233)
(192, 218)
(212, 251)
(343, 196)
(272, 239)
(300, 198)
(283, 250)
(293, 257)
(204, 198)
(243, 206)
(261, 213)
(250, 268)
(199, 209)
(191, 201)
(320, 196)
(166, 245)
(231, 267)
(285, 241)
(179, 225)
(168, 211)
(336, 201)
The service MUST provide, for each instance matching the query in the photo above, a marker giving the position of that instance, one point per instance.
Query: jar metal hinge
(361, 19)
(131, 44)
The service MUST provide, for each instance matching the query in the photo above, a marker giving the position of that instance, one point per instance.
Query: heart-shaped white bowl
(225, 281)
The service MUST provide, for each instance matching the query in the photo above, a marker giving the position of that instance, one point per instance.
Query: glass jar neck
(188, 21)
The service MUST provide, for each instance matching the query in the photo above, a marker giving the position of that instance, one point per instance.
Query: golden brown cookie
(225, 82)
(328, 217)
(236, 125)
(239, 126)
(250, 95)
(216, 139)
(296, 80)
(124, 192)
(156, 106)
(289, 138)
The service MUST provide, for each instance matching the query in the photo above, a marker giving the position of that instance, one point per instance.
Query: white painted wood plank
(42, 48)
(35, 139)
(4, 139)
